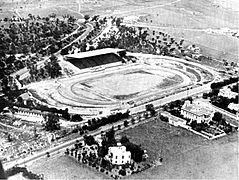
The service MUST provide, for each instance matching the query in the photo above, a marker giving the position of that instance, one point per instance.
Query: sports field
(128, 84)
(111, 87)
(119, 87)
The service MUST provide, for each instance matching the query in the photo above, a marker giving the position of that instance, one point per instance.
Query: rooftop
(93, 53)
(196, 109)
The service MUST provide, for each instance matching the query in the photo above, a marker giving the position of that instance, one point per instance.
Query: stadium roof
(93, 53)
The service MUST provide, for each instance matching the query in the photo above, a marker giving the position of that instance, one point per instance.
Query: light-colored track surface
(92, 91)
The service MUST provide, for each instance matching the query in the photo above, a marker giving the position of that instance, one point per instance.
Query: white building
(234, 106)
(226, 92)
(197, 111)
(177, 121)
(118, 155)
(29, 114)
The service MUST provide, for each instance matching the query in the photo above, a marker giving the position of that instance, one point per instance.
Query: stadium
(110, 81)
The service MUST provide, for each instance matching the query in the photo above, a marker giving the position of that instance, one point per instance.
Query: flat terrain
(185, 156)
(130, 82)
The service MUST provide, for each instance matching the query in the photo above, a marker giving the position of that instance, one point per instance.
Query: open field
(184, 19)
(41, 8)
(185, 156)
(64, 167)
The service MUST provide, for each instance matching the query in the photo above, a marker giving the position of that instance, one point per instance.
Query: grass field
(134, 82)
(64, 167)
(185, 156)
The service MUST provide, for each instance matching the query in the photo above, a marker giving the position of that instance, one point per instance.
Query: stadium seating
(95, 60)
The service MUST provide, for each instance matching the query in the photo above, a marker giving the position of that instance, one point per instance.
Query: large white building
(198, 111)
(118, 155)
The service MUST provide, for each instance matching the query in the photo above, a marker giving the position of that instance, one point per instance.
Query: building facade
(195, 111)
(118, 155)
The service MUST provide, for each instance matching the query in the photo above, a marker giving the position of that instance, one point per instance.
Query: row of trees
(96, 123)
(52, 120)
(218, 85)
(221, 101)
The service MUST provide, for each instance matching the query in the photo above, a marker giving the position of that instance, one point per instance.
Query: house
(226, 92)
(197, 111)
(118, 155)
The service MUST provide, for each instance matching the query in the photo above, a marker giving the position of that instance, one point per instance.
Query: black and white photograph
(119, 89)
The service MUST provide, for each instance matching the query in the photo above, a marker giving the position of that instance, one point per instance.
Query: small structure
(118, 155)
(26, 96)
(177, 121)
(173, 120)
(29, 114)
(226, 92)
(234, 106)
(197, 111)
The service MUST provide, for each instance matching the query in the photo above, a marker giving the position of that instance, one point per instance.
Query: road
(233, 116)
(61, 148)
(83, 36)
(174, 97)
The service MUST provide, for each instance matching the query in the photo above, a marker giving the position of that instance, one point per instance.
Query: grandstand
(95, 58)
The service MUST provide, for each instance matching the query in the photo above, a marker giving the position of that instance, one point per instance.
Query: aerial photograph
(119, 89)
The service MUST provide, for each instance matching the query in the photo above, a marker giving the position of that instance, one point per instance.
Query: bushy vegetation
(218, 85)
(96, 123)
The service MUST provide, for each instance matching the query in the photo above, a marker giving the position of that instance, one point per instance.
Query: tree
(150, 108)
(217, 117)
(126, 123)
(87, 17)
(89, 140)
(118, 22)
(205, 95)
(20, 100)
(124, 140)
(110, 135)
(76, 118)
(52, 122)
